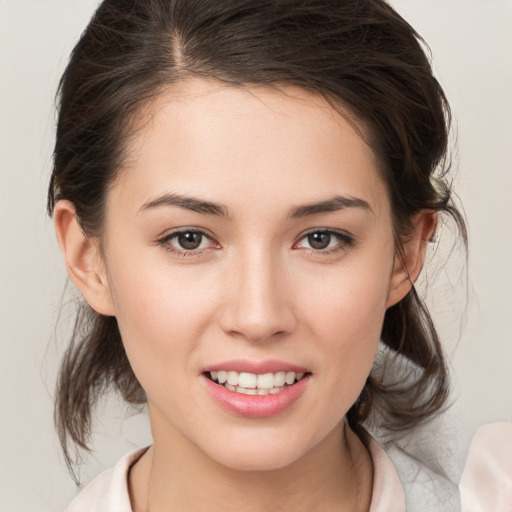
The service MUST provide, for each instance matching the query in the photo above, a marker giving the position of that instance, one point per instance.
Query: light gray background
(471, 41)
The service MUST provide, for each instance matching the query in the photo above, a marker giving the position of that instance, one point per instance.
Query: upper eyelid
(332, 231)
(323, 230)
(169, 234)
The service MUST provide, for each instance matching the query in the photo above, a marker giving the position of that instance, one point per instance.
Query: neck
(336, 475)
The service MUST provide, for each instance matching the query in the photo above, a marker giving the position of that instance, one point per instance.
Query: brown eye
(189, 240)
(319, 240)
(326, 241)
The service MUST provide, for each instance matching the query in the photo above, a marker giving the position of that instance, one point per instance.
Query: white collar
(109, 491)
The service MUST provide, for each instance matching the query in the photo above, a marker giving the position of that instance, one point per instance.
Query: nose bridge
(259, 305)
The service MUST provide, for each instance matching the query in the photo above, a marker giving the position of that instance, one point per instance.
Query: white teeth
(280, 379)
(290, 378)
(233, 378)
(247, 380)
(252, 384)
(266, 380)
(246, 391)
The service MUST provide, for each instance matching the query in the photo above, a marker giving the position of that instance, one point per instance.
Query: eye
(187, 242)
(325, 241)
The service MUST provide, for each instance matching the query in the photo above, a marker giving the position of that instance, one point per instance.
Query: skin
(255, 289)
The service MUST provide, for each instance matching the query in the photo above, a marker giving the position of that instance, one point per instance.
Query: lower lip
(256, 406)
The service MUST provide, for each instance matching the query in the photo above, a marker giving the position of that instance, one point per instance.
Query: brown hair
(359, 54)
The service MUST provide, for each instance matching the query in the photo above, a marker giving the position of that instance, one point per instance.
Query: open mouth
(255, 384)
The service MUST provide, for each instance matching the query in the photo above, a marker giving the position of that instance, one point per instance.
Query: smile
(255, 384)
(256, 390)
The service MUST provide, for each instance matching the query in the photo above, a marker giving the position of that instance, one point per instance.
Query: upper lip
(256, 367)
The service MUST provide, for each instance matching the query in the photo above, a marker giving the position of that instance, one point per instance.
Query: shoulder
(486, 482)
(403, 482)
(428, 463)
(108, 492)
(428, 486)
(428, 458)
(387, 493)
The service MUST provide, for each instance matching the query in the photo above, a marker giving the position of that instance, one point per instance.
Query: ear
(82, 258)
(408, 264)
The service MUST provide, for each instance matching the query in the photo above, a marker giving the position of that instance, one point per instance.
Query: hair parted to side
(359, 54)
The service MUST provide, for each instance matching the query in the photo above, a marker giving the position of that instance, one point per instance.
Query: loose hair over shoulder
(358, 54)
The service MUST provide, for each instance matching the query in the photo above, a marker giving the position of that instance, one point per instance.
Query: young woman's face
(249, 232)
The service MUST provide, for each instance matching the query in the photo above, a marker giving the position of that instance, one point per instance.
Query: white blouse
(109, 491)
(401, 481)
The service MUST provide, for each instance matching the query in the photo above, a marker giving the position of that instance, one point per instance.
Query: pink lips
(256, 406)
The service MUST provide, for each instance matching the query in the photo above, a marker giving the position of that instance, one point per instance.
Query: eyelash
(165, 242)
(345, 241)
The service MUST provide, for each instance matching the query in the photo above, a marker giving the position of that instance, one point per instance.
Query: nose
(259, 305)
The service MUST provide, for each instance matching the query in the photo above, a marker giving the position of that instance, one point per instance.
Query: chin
(257, 459)
(259, 451)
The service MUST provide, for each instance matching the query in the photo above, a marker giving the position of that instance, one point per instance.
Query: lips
(256, 389)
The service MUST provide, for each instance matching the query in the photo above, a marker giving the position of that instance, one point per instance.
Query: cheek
(161, 316)
(350, 302)
(347, 318)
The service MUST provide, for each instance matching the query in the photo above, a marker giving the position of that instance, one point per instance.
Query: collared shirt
(109, 491)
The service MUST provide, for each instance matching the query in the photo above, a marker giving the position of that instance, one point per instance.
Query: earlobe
(409, 262)
(82, 258)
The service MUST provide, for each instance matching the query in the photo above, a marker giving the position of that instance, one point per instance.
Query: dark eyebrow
(330, 205)
(189, 203)
(208, 208)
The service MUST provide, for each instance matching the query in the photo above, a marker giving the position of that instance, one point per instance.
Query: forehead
(201, 137)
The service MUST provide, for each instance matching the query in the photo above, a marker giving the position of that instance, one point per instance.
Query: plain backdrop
(471, 42)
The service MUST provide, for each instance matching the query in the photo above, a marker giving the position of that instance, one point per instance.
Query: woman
(243, 193)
